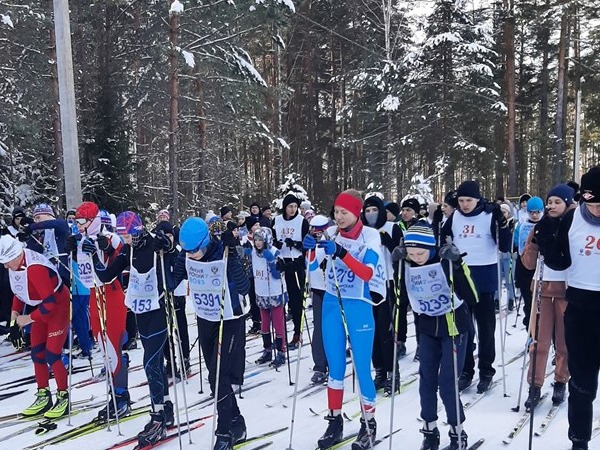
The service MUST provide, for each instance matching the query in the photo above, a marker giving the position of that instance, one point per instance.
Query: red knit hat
(349, 202)
(87, 210)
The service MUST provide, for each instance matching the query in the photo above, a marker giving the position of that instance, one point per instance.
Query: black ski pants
(485, 316)
(152, 327)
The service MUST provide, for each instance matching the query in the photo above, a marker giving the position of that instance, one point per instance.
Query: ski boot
(558, 396)
(380, 378)
(42, 403)
(154, 431)
(319, 377)
(387, 387)
(61, 406)
(267, 356)
(485, 381)
(535, 392)
(123, 407)
(366, 435)
(224, 442)
(431, 439)
(334, 432)
(279, 360)
(464, 381)
(454, 444)
(169, 416)
(295, 342)
(238, 429)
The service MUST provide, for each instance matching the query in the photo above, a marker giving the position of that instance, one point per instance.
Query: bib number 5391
(205, 299)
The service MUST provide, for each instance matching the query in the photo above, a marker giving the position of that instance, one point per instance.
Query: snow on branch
(6, 20)
(176, 7)
(289, 4)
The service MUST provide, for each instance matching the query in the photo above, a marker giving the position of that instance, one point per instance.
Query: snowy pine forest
(195, 104)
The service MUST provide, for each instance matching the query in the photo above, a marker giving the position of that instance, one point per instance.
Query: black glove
(103, 243)
(164, 226)
(449, 251)
(400, 251)
(290, 242)
(386, 240)
(161, 242)
(15, 335)
(280, 265)
(278, 244)
(229, 240)
(88, 247)
(543, 232)
(497, 215)
(71, 243)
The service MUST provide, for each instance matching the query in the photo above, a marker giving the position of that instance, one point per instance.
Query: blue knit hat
(535, 204)
(420, 235)
(562, 191)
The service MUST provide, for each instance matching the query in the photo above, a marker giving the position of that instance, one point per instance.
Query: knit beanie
(289, 199)
(349, 203)
(420, 235)
(535, 204)
(590, 185)
(562, 191)
(43, 208)
(225, 210)
(413, 204)
(524, 198)
(451, 199)
(469, 188)
(393, 207)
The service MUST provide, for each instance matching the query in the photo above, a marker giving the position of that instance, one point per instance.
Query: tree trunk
(173, 112)
(509, 80)
(560, 148)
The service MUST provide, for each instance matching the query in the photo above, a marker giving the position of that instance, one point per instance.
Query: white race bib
(428, 290)
(142, 289)
(207, 281)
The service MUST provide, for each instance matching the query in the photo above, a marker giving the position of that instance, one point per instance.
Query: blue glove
(268, 255)
(309, 242)
(88, 247)
(332, 248)
(247, 251)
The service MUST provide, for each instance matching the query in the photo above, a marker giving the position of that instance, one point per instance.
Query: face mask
(372, 218)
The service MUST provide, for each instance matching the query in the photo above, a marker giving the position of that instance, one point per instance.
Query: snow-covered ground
(491, 418)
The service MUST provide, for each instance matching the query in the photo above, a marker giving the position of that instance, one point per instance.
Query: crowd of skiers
(94, 279)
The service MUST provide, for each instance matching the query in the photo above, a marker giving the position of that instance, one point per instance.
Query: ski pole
(396, 318)
(302, 321)
(502, 336)
(538, 304)
(170, 344)
(517, 307)
(525, 352)
(347, 331)
(70, 343)
(454, 333)
(219, 345)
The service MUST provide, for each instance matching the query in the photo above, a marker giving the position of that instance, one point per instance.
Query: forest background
(195, 104)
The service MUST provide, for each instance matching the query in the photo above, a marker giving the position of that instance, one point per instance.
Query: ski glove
(496, 214)
(161, 242)
(290, 242)
(24, 233)
(268, 255)
(104, 243)
(280, 265)
(332, 248)
(71, 243)
(88, 247)
(449, 251)
(399, 252)
(15, 335)
(309, 242)
(247, 251)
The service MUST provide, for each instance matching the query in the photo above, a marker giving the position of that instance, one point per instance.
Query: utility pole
(66, 95)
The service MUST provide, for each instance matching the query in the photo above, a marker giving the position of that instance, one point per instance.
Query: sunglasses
(82, 221)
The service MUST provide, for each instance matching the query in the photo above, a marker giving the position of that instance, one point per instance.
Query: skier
(316, 282)
(107, 307)
(507, 261)
(271, 295)
(574, 247)
(444, 321)
(353, 257)
(374, 216)
(207, 263)
(145, 296)
(553, 304)
(289, 229)
(478, 228)
(36, 282)
(524, 276)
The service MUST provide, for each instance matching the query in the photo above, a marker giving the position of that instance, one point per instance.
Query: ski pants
(80, 321)
(48, 336)
(294, 280)
(152, 327)
(436, 370)
(318, 351)
(109, 301)
(582, 334)
(361, 328)
(233, 338)
(383, 345)
(485, 316)
(276, 316)
(254, 309)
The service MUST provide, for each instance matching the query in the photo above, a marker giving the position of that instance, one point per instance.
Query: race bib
(428, 290)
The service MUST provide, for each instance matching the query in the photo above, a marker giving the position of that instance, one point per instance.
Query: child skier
(271, 295)
(438, 293)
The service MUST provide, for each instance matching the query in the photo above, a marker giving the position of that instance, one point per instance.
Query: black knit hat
(590, 185)
(468, 188)
(225, 210)
(412, 203)
(451, 199)
(289, 199)
(393, 207)
(524, 198)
